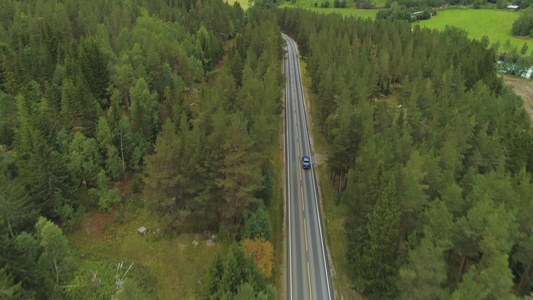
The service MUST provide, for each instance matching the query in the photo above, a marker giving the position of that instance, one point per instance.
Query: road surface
(308, 274)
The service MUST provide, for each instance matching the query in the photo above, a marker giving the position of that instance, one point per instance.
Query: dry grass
(177, 265)
(523, 88)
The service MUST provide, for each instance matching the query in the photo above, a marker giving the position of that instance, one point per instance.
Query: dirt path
(522, 87)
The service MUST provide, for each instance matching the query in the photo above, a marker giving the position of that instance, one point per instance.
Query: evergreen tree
(22, 262)
(378, 261)
(144, 111)
(258, 225)
(93, 65)
(8, 289)
(9, 119)
(240, 176)
(55, 257)
(84, 160)
(78, 107)
(16, 210)
(47, 179)
(234, 274)
(163, 180)
(424, 275)
(215, 271)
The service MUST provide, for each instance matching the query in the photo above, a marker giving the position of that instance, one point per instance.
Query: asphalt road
(308, 274)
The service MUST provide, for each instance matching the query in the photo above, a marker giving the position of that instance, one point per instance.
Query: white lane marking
(287, 100)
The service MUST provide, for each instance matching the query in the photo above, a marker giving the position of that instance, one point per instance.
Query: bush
(523, 26)
(107, 198)
(394, 13)
(70, 217)
(339, 4)
(258, 225)
(364, 4)
(135, 185)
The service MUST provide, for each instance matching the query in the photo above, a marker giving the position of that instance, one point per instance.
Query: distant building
(419, 15)
(513, 7)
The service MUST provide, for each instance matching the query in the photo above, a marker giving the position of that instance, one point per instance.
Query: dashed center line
(303, 206)
(309, 278)
(305, 229)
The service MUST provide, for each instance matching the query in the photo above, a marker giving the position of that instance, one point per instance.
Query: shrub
(524, 24)
(107, 198)
(258, 225)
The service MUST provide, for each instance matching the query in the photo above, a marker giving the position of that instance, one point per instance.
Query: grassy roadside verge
(277, 214)
(332, 214)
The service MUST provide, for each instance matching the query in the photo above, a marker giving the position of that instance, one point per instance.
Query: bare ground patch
(522, 87)
(97, 223)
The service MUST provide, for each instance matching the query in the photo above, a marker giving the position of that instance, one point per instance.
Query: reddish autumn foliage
(263, 252)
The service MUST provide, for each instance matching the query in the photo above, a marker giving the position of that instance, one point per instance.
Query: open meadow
(171, 268)
(493, 23)
(244, 3)
(345, 12)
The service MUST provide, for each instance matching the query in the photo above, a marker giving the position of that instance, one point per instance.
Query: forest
(182, 96)
(430, 155)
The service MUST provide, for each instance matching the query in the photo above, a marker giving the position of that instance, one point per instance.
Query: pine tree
(22, 262)
(424, 275)
(114, 164)
(215, 271)
(78, 107)
(16, 210)
(377, 265)
(103, 135)
(163, 180)
(93, 65)
(8, 289)
(361, 196)
(233, 270)
(144, 111)
(84, 160)
(258, 225)
(240, 175)
(47, 178)
(9, 119)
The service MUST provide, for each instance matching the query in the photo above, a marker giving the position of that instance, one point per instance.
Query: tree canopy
(183, 96)
(428, 152)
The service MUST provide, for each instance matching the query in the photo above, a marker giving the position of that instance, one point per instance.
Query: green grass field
(345, 12)
(175, 264)
(244, 3)
(495, 24)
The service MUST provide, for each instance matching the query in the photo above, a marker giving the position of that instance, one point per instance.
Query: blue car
(306, 162)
